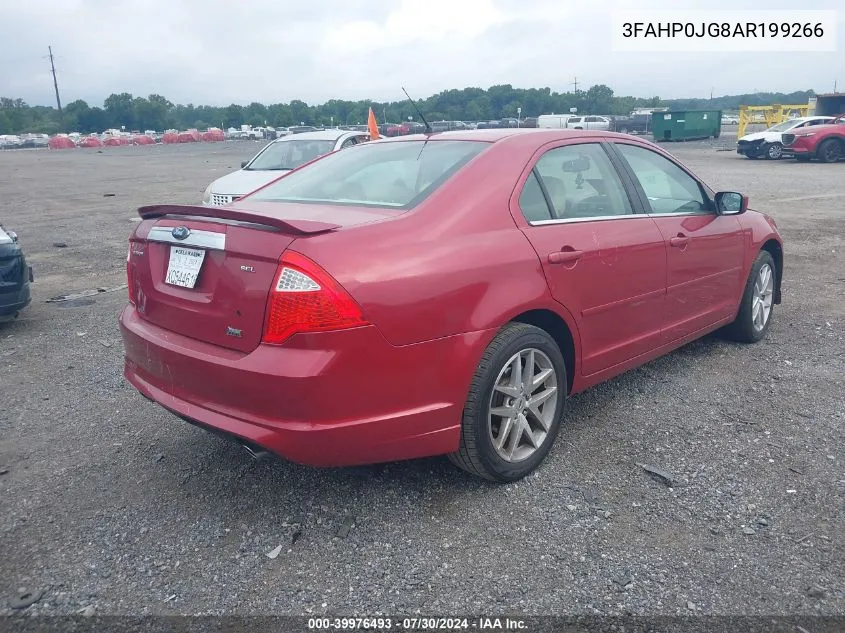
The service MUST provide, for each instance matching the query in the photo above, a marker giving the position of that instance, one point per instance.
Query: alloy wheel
(522, 405)
(761, 301)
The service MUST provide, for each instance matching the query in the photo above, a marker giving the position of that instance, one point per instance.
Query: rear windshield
(289, 154)
(395, 174)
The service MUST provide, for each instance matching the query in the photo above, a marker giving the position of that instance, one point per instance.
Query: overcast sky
(218, 52)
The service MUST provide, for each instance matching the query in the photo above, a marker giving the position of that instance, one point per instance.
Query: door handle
(679, 241)
(564, 256)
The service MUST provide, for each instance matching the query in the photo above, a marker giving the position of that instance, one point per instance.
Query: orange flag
(372, 126)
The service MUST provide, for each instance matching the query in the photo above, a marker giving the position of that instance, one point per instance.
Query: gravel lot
(110, 503)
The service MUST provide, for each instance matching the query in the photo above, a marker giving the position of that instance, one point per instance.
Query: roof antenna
(428, 129)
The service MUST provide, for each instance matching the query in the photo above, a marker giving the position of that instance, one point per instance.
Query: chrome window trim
(624, 216)
(684, 214)
(595, 218)
(201, 239)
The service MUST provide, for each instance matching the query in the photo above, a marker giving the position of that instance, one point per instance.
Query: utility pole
(55, 84)
(575, 83)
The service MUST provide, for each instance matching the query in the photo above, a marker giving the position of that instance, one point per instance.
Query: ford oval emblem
(180, 232)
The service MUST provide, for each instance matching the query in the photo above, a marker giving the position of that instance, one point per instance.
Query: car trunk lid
(206, 272)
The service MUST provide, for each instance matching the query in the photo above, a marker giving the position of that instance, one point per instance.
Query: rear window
(397, 175)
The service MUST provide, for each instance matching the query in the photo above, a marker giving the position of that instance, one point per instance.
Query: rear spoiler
(294, 226)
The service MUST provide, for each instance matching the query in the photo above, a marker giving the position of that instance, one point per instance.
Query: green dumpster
(686, 125)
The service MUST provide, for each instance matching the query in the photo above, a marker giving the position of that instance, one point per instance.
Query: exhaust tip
(254, 452)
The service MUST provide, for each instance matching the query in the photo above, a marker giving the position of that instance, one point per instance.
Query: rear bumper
(329, 399)
(13, 302)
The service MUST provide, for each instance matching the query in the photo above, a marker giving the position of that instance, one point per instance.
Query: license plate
(184, 266)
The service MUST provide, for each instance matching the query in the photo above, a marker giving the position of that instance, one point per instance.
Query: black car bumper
(15, 277)
(11, 303)
(750, 149)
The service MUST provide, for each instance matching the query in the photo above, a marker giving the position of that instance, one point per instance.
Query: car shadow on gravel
(204, 463)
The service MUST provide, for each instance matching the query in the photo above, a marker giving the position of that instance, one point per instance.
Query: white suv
(589, 123)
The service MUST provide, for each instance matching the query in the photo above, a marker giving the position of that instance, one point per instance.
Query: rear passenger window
(533, 202)
(581, 182)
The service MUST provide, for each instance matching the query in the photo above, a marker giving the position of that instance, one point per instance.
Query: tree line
(156, 112)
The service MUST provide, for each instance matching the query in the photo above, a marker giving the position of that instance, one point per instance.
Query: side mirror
(731, 203)
(244, 163)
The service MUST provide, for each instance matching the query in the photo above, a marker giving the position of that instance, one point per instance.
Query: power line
(55, 83)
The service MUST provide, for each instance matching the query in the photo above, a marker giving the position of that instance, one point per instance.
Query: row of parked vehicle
(24, 141)
(804, 138)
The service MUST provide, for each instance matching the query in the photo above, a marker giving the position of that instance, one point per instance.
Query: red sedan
(825, 143)
(439, 294)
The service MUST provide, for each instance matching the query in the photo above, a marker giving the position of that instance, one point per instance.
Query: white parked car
(589, 123)
(729, 119)
(769, 143)
(283, 154)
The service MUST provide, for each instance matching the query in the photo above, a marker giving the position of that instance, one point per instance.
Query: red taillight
(305, 298)
(130, 277)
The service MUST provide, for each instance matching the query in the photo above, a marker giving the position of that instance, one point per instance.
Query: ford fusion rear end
(300, 372)
(232, 327)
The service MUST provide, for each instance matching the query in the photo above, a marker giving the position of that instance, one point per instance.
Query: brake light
(130, 277)
(305, 298)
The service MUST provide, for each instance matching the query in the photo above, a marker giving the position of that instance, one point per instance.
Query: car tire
(831, 151)
(774, 151)
(494, 391)
(757, 301)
